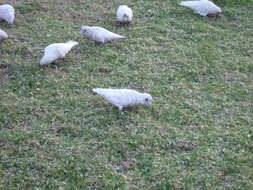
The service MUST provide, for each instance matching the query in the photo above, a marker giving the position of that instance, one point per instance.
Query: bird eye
(146, 99)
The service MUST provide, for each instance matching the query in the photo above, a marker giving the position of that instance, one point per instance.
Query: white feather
(56, 51)
(202, 7)
(99, 34)
(124, 14)
(124, 97)
(3, 35)
(7, 13)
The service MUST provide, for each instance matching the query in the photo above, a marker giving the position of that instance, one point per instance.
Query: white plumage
(124, 97)
(202, 7)
(124, 14)
(3, 35)
(56, 51)
(7, 13)
(98, 34)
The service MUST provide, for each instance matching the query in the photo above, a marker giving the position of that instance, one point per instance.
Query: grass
(56, 134)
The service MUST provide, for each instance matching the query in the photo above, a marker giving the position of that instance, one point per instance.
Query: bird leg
(120, 108)
(212, 16)
(99, 43)
(53, 64)
(118, 23)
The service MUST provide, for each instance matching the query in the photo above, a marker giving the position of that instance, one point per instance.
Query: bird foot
(120, 24)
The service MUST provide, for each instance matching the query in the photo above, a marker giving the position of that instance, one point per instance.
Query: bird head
(84, 30)
(126, 18)
(147, 99)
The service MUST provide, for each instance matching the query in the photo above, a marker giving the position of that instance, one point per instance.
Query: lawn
(55, 133)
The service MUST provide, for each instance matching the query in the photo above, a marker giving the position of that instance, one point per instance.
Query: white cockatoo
(124, 14)
(3, 35)
(7, 13)
(55, 51)
(124, 97)
(202, 7)
(98, 34)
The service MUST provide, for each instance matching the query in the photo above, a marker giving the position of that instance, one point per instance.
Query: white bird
(98, 34)
(202, 7)
(7, 13)
(124, 14)
(56, 51)
(3, 35)
(124, 97)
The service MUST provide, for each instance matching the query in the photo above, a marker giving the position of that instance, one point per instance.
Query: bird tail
(186, 3)
(119, 36)
(72, 43)
(44, 61)
(10, 19)
(9, 14)
(3, 35)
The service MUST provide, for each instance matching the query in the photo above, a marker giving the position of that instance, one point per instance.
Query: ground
(56, 134)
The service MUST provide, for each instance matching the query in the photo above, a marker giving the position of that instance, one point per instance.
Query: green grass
(56, 134)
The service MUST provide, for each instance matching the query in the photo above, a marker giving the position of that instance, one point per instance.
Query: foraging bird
(7, 13)
(202, 7)
(124, 14)
(3, 35)
(98, 34)
(124, 97)
(56, 51)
